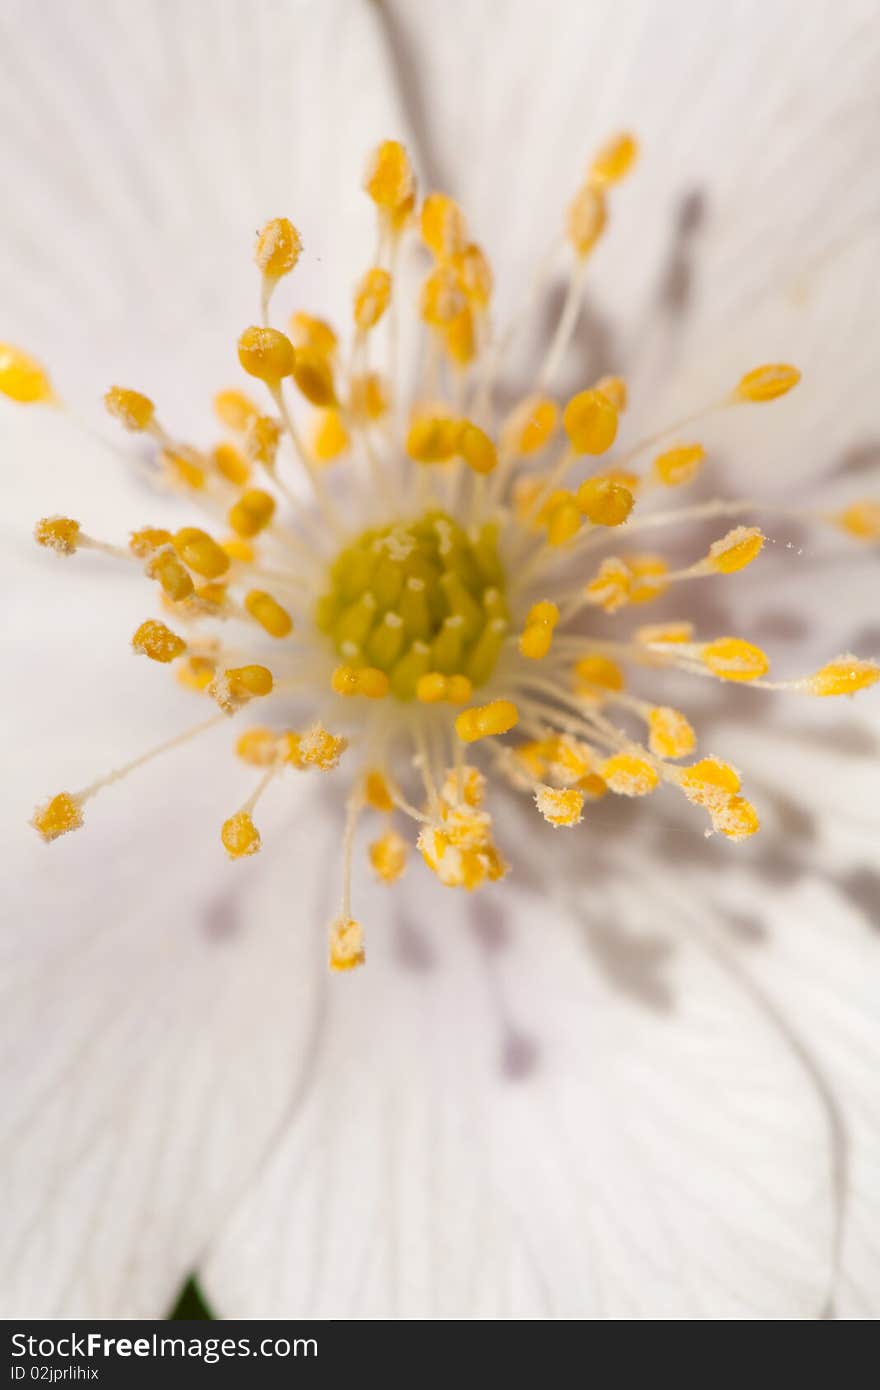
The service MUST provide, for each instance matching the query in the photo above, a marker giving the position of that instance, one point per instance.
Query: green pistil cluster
(418, 597)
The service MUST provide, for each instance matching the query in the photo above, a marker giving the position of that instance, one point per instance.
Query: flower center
(417, 598)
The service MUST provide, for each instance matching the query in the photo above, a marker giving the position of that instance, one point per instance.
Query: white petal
(560, 1111)
(157, 1035)
(795, 914)
(763, 115)
(159, 1029)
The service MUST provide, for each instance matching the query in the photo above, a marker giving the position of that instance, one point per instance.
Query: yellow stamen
(388, 856)
(58, 533)
(240, 836)
(59, 815)
(266, 354)
(484, 721)
(130, 408)
(560, 806)
(266, 610)
(346, 944)
(590, 421)
(767, 382)
(278, 248)
(844, 676)
(22, 378)
(629, 774)
(360, 680)
(732, 659)
(158, 642)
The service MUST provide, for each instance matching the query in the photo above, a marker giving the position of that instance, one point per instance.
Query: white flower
(636, 1079)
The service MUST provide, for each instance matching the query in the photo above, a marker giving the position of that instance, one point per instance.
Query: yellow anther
(459, 689)
(261, 440)
(678, 466)
(329, 438)
(176, 582)
(610, 589)
(590, 422)
(233, 687)
(464, 786)
(664, 632)
(533, 757)
(158, 642)
(182, 468)
(604, 502)
(278, 248)
(671, 736)
(238, 549)
(537, 634)
(460, 850)
(258, 747)
(200, 552)
(564, 519)
(56, 817)
(249, 680)
(230, 464)
(614, 387)
(843, 676)
(474, 274)
(593, 786)
(266, 611)
(460, 339)
(376, 792)
(22, 378)
(709, 781)
(389, 179)
(240, 836)
(625, 477)
(629, 774)
(568, 760)
(371, 298)
(368, 397)
(614, 160)
(306, 331)
(432, 438)
(442, 298)
(368, 681)
(346, 944)
(443, 226)
(860, 519)
(433, 687)
(767, 382)
(647, 577)
(594, 674)
(58, 533)
(313, 375)
(266, 354)
(213, 594)
(149, 539)
(483, 721)
(734, 551)
(587, 216)
(560, 806)
(388, 856)
(530, 426)
(252, 512)
(736, 818)
(476, 448)
(234, 409)
(196, 673)
(732, 659)
(130, 408)
(291, 748)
